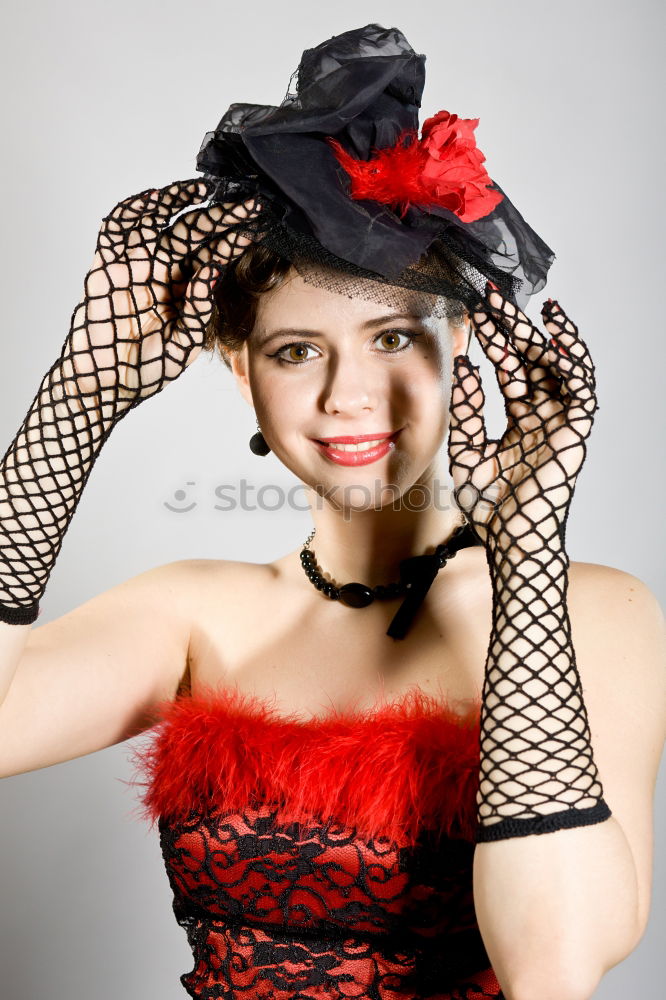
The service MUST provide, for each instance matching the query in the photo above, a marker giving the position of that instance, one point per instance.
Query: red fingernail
(462, 361)
(561, 349)
(493, 286)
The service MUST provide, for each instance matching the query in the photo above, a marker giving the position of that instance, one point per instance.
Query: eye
(393, 334)
(296, 353)
(293, 359)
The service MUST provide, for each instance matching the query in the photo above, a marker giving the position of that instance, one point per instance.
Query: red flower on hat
(444, 167)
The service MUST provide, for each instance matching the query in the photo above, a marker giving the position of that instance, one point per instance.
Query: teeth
(363, 446)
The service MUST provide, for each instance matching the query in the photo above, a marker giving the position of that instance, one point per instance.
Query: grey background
(101, 100)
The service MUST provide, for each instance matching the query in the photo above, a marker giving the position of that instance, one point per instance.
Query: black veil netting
(362, 88)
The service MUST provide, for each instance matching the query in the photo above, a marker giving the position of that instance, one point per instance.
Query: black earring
(258, 443)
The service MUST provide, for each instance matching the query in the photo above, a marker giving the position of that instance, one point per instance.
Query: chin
(382, 482)
(372, 491)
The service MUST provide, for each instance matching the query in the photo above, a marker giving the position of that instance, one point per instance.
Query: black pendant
(356, 595)
(417, 574)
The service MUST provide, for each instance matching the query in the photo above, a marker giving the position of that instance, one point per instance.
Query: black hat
(346, 183)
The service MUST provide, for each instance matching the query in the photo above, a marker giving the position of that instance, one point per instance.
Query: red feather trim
(444, 167)
(390, 772)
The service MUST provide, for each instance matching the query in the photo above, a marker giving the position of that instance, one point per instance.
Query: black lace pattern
(279, 911)
(324, 858)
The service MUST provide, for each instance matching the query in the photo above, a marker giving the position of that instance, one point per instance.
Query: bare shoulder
(202, 573)
(215, 585)
(618, 632)
(618, 609)
(94, 676)
(211, 568)
(598, 583)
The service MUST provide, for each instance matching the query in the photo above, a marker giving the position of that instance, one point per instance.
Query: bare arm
(561, 871)
(13, 639)
(85, 681)
(558, 911)
(91, 678)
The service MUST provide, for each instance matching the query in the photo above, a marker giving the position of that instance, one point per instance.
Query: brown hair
(256, 271)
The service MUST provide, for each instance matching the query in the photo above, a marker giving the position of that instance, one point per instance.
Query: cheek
(284, 408)
(433, 409)
(430, 387)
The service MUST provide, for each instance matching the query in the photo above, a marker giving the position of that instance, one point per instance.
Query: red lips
(380, 436)
(355, 458)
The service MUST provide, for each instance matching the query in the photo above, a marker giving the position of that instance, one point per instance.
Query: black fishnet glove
(537, 771)
(142, 320)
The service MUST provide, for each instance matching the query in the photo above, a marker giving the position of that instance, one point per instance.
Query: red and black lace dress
(329, 858)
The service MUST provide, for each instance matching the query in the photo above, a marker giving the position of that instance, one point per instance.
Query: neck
(367, 546)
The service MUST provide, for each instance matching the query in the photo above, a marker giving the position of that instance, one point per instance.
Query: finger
(543, 371)
(467, 437)
(222, 249)
(572, 358)
(570, 354)
(527, 338)
(157, 203)
(197, 310)
(510, 370)
(579, 401)
(577, 385)
(195, 230)
(222, 246)
(565, 337)
(177, 196)
(163, 359)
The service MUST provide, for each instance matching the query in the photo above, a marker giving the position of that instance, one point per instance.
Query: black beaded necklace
(416, 576)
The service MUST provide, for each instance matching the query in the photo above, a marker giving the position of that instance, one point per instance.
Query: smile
(357, 451)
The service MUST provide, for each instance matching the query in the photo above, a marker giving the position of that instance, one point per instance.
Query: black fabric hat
(363, 89)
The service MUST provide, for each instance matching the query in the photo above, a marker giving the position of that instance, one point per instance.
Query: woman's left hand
(516, 491)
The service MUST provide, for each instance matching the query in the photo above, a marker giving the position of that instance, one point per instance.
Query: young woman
(380, 768)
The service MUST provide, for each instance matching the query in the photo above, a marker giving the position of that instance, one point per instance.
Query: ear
(239, 366)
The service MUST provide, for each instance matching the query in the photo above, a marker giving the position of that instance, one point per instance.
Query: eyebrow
(377, 321)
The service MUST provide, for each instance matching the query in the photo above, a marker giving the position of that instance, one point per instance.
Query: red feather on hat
(444, 167)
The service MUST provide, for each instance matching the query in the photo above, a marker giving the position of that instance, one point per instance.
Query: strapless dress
(320, 858)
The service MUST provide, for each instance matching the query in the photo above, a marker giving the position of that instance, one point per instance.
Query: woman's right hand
(149, 293)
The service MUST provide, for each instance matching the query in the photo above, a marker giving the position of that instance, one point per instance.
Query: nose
(350, 387)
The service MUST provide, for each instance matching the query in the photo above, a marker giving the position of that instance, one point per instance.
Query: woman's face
(319, 365)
